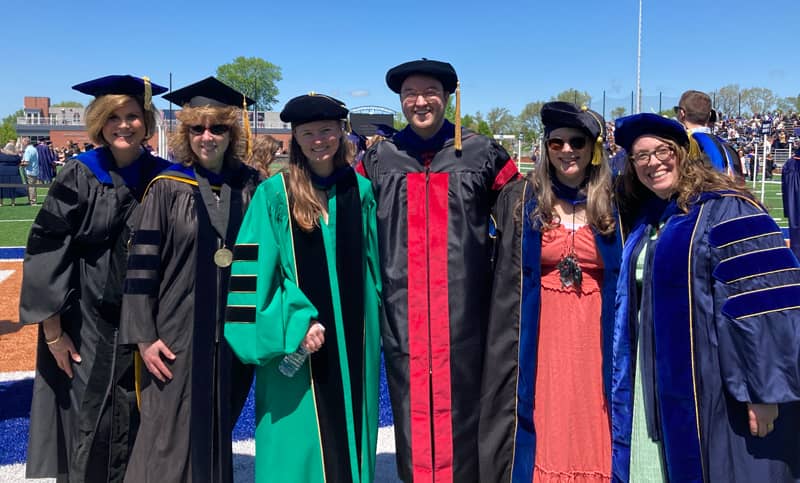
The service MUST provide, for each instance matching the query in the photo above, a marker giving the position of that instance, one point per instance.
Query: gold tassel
(694, 148)
(458, 117)
(597, 153)
(247, 134)
(148, 94)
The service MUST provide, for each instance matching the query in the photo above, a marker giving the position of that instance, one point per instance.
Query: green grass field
(15, 221)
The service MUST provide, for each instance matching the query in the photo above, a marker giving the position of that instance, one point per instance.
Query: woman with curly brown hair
(707, 332)
(306, 281)
(192, 388)
(546, 379)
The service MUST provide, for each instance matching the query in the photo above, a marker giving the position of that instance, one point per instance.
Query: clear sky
(506, 53)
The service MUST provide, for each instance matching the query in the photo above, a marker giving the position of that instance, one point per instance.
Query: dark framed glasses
(557, 144)
(216, 129)
(662, 153)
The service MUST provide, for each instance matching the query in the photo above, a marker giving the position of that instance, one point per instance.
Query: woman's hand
(152, 353)
(314, 338)
(761, 418)
(60, 344)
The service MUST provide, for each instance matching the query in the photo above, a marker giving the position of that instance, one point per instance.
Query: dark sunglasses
(557, 144)
(216, 129)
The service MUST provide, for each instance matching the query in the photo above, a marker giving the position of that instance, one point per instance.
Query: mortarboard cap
(384, 130)
(630, 128)
(442, 71)
(208, 92)
(118, 84)
(313, 107)
(558, 114)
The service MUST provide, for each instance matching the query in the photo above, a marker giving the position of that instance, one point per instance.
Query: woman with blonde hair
(546, 378)
(263, 154)
(83, 413)
(192, 388)
(306, 281)
(707, 332)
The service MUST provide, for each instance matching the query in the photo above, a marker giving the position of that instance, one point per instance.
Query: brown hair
(599, 206)
(191, 116)
(306, 207)
(101, 108)
(695, 176)
(263, 153)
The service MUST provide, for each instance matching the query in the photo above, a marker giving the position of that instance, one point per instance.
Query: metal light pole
(639, 65)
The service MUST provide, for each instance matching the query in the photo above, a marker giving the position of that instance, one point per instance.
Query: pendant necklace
(568, 269)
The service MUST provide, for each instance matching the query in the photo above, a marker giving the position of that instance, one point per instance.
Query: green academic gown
(321, 424)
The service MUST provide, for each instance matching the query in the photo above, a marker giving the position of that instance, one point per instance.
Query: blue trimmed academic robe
(506, 435)
(790, 190)
(726, 331)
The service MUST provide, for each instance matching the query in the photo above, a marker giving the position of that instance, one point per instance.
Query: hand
(314, 338)
(61, 346)
(761, 418)
(152, 353)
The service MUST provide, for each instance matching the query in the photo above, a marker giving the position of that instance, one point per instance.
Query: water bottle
(292, 362)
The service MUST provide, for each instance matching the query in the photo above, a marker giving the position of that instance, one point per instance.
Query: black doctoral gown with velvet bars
(83, 428)
(433, 231)
(175, 292)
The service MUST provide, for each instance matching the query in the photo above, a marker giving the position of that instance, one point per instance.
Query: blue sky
(507, 53)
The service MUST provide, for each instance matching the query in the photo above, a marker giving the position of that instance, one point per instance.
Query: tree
(617, 112)
(67, 104)
(530, 122)
(758, 99)
(727, 100)
(254, 77)
(8, 126)
(574, 96)
(501, 121)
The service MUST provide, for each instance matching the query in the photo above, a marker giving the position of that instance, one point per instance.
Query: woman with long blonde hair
(546, 380)
(308, 317)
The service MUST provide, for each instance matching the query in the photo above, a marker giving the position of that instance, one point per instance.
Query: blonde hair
(263, 153)
(192, 116)
(306, 207)
(695, 176)
(599, 205)
(101, 108)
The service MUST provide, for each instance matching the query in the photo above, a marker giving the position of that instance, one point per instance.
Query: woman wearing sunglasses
(544, 404)
(707, 334)
(192, 387)
(306, 280)
(83, 418)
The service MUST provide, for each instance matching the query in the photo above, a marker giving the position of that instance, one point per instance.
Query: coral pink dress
(573, 440)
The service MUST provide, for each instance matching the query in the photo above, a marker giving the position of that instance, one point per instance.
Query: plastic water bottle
(291, 363)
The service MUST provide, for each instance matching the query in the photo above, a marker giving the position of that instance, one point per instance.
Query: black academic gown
(82, 428)
(175, 292)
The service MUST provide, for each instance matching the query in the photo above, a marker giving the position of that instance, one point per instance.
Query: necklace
(569, 271)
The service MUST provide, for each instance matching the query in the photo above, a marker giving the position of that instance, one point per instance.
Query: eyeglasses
(216, 129)
(557, 144)
(662, 153)
(677, 110)
(428, 94)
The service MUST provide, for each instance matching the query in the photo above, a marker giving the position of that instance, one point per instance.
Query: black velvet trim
(39, 244)
(54, 223)
(147, 237)
(246, 253)
(242, 283)
(63, 194)
(141, 286)
(241, 314)
(144, 262)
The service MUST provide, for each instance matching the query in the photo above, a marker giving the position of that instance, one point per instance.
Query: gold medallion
(223, 257)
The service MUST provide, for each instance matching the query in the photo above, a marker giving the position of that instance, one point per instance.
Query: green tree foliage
(758, 99)
(254, 77)
(501, 121)
(617, 112)
(581, 98)
(67, 104)
(530, 122)
(8, 126)
(726, 100)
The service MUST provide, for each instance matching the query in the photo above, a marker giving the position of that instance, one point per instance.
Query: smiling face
(319, 141)
(569, 162)
(208, 147)
(423, 102)
(124, 130)
(658, 175)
